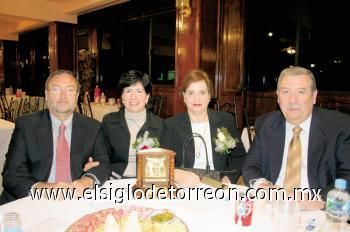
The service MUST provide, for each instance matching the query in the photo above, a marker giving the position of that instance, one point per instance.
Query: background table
(202, 215)
(6, 129)
(98, 110)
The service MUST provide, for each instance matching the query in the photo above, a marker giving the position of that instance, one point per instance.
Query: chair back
(156, 104)
(85, 106)
(230, 108)
(214, 103)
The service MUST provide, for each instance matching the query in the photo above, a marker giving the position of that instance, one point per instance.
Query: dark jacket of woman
(117, 137)
(178, 128)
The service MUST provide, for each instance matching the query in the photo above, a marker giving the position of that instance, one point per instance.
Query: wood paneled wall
(167, 91)
(62, 46)
(259, 103)
(230, 66)
(186, 50)
(214, 42)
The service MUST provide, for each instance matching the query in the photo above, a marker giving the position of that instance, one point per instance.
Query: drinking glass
(10, 222)
(286, 215)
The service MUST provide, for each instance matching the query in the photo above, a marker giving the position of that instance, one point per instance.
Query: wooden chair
(85, 107)
(214, 104)
(230, 108)
(156, 104)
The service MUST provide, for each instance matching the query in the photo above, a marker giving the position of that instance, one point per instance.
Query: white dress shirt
(304, 139)
(200, 161)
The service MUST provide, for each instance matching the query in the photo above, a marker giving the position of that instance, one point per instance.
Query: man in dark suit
(49, 148)
(324, 140)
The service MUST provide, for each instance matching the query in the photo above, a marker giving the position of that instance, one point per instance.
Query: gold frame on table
(155, 167)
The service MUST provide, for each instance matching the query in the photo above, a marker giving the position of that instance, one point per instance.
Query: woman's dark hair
(132, 77)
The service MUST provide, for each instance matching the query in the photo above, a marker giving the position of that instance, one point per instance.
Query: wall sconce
(184, 7)
(184, 11)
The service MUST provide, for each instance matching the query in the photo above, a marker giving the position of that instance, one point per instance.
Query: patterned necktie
(62, 157)
(293, 170)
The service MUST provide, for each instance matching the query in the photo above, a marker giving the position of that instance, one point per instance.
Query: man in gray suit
(324, 140)
(49, 148)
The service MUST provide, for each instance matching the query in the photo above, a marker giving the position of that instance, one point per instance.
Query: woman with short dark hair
(121, 129)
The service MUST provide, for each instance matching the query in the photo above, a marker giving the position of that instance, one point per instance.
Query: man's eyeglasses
(58, 90)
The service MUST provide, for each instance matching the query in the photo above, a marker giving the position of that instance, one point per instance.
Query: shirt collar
(56, 122)
(304, 125)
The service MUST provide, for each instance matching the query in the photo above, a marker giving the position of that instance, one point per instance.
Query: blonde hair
(196, 75)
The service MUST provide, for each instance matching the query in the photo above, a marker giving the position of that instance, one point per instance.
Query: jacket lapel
(184, 130)
(45, 141)
(219, 160)
(150, 123)
(276, 146)
(317, 142)
(77, 142)
(118, 125)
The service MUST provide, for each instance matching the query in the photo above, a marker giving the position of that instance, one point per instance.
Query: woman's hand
(186, 178)
(90, 164)
(225, 180)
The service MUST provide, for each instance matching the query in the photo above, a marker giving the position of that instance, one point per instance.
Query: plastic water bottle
(337, 206)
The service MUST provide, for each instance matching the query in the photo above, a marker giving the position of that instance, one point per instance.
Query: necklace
(198, 148)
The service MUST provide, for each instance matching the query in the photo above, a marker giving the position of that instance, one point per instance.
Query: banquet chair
(3, 110)
(85, 106)
(214, 103)
(5, 114)
(156, 103)
(12, 110)
(34, 104)
(4, 107)
(230, 108)
(26, 108)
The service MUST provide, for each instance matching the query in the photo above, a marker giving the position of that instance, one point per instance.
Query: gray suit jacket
(30, 154)
(328, 154)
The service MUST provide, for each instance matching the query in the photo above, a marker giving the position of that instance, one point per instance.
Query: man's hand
(53, 186)
(90, 164)
(80, 185)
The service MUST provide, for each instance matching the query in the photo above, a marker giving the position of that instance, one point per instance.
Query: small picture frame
(155, 166)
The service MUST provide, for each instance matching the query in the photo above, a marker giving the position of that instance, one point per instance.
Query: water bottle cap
(340, 183)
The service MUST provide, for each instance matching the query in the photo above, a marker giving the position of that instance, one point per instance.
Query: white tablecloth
(98, 110)
(202, 215)
(6, 129)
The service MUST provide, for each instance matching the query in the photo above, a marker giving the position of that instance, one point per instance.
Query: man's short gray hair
(58, 73)
(296, 71)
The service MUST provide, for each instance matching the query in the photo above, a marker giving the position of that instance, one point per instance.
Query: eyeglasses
(58, 90)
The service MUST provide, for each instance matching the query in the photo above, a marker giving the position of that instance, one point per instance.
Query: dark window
(306, 33)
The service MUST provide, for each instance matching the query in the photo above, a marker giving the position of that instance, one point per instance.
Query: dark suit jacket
(328, 154)
(117, 137)
(30, 154)
(178, 128)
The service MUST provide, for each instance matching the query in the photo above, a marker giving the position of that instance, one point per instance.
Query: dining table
(6, 129)
(100, 110)
(198, 214)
